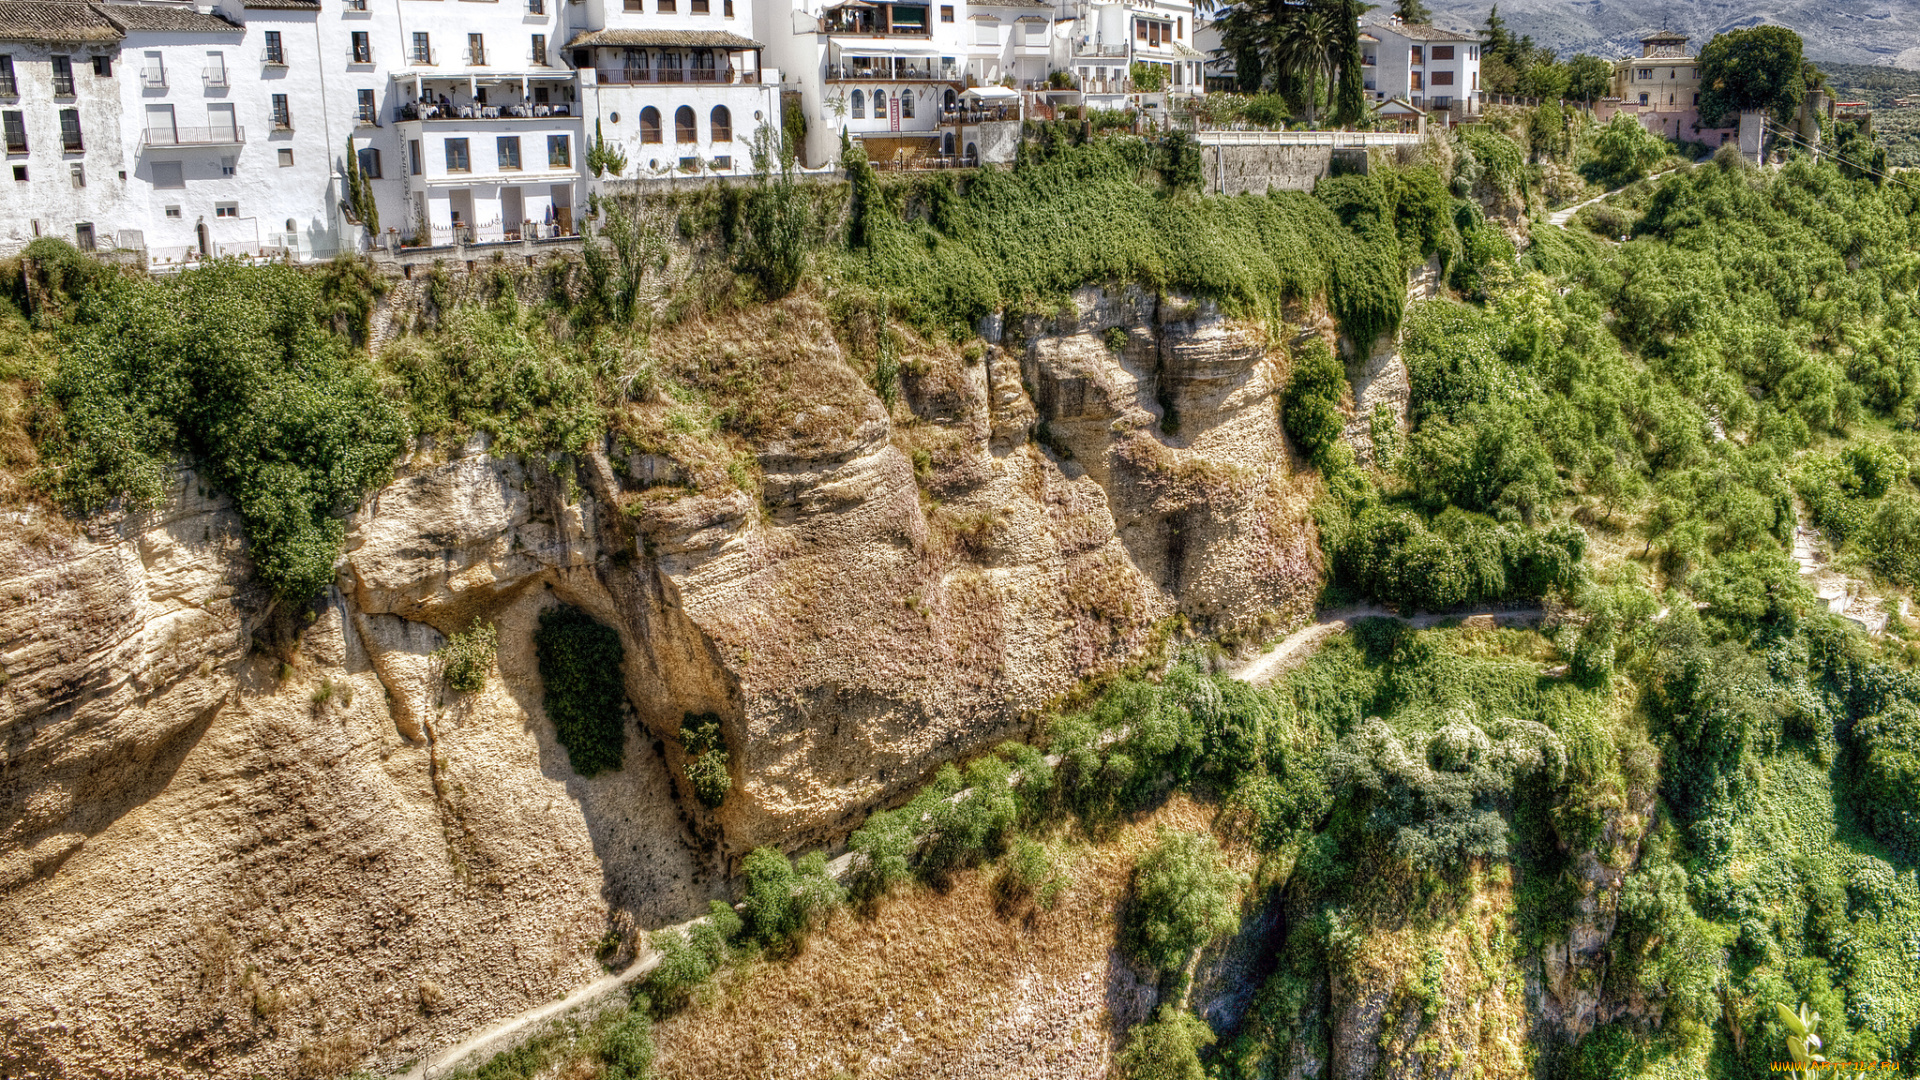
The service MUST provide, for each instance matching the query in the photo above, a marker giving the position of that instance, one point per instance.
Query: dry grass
(938, 985)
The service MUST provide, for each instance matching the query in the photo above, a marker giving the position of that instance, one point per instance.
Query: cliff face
(225, 850)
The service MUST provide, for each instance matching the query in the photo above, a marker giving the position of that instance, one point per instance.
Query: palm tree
(1308, 47)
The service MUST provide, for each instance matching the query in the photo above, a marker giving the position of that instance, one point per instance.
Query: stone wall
(1236, 169)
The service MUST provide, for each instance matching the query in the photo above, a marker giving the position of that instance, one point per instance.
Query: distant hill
(1883, 32)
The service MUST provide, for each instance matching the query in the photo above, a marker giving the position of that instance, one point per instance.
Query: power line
(1794, 137)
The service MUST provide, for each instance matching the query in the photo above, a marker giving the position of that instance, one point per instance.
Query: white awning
(885, 48)
(992, 93)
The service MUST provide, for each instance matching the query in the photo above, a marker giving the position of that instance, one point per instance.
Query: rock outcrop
(237, 840)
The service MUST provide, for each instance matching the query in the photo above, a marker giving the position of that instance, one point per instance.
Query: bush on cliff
(585, 695)
(233, 369)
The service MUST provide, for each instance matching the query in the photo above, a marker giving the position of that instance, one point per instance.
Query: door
(160, 129)
(200, 233)
(563, 209)
(512, 211)
(462, 209)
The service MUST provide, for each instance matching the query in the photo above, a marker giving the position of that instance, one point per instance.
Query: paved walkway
(1298, 647)
(1561, 217)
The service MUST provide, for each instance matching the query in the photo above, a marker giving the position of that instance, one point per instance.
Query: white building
(883, 72)
(60, 109)
(1104, 39)
(1437, 71)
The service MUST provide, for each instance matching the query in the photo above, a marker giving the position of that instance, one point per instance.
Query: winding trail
(1561, 217)
(1298, 647)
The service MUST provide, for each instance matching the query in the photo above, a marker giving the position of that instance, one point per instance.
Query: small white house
(1435, 70)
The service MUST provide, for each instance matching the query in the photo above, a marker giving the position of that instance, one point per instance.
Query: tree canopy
(1756, 68)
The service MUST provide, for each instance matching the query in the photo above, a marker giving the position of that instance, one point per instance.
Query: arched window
(859, 105)
(879, 104)
(952, 100)
(973, 154)
(946, 144)
(684, 127)
(721, 124)
(649, 125)
(906, 104)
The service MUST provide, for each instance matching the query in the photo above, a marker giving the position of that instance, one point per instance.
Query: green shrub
(232, 366)
(706, 758)
(1028, 876)
(469, 656)
(1166, 1047)
(626, 1050)
(1886, 788)
(1312, 404)
(585, 695)
(883, 851)
(785, 900)
(1624, 151)
(1184, 896)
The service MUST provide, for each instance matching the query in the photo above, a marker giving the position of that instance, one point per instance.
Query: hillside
(1886, 32)
(391, 653)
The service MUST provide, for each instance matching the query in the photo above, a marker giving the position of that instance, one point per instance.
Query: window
(1416, 56)
(366, 110)
(422, 48)
(632, 5)
(536, 7)
(698, 7)
(369, 162)
(229, 165)
(70, 131)
(226, 209)
(1443, 52)
(1442, 78)
(286, 157)
(362, 48)
(664, 7)
(20, 173)
(173, 210)
(650, 124)
(8, 87)
(1643, 73)
(215, 73)
(62, 76)
(509, 151)
(476, 50)
(153, 73)
(282, 116)
(413, 156)
(720, 124)
(906, 104)
(559, 155)
(1696, 99)
(684, 128)
(879, 104)
(722, 163)
(1413, 81)
(78, 174)
(167, 176)
(83, 236)
(946, 12)
(538, 54)
(726, 8)
(457, 160)
(220, 122)
(103, 67)
(858, 106)
(16, 124)
(986, 32)
(274, 53)
(1643, 99)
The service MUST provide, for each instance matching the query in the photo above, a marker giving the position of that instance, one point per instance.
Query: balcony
(214, 78)
(367, 116)
(536, 7)
(153, 79)
(63, 85)
(356, 5)
(273, 57)
(360, 56)
(1100, 50)
(476, 58)
(8, 87)
(424, 57)
(422, 111)
(907, 73)
(194, 136)
(646, 76)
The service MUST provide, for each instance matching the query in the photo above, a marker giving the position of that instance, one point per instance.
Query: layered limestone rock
(237, 840)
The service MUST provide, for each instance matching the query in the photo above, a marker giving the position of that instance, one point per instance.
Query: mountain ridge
(1879, 32)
